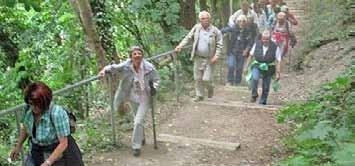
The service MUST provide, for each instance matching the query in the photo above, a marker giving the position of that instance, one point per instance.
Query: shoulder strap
(50, 116)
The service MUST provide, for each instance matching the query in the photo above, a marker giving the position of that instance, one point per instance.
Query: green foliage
(329, 20)
(52, 48)
(28, 4)
(332, 16)
(323, 126)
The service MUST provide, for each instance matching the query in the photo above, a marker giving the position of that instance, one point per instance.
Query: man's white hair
(203, 13)
(266, 33)
(242, 18)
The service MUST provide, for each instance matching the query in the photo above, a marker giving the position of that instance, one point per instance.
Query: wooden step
(196, 141)
(242, 105)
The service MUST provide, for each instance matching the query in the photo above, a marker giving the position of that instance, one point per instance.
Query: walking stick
(289, 60)
(152, 93)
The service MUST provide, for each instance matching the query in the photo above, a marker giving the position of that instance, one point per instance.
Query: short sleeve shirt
(49, 129)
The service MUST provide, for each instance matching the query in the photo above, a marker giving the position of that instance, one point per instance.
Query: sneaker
(136, 152)
(229, 84)
(198, 98)
(262, 103)
(210, 93)
(143, 142)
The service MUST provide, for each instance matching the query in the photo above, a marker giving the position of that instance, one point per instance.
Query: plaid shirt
(46, 133)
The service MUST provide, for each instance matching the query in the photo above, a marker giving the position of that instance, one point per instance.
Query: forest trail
(227, 119)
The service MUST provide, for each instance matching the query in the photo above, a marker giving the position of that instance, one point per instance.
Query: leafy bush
(329, 20)
(332, 17)
(324, 126)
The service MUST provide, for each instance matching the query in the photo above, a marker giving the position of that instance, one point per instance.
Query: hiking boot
(263, 103)
(253, 99)
(136, 152)
(198, 98)
(210, 93)
(143, 142)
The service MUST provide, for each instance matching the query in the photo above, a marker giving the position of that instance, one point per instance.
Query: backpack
(71, 116)
(72, 120)
(292, 36)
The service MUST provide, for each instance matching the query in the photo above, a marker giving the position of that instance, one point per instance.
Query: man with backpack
(264, 62)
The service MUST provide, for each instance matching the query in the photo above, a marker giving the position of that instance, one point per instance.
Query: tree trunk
(9, 47)
(187, 13)
(104, 28)
(225, 12)
(86, 16)
(203, 5)
(213, 7)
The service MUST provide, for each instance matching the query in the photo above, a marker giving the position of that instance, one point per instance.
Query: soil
(230, 119)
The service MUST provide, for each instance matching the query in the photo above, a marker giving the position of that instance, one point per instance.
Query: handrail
(167, 53)
(60, 91)
(80, 83)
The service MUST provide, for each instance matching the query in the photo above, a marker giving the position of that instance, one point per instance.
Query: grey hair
(204, 12)
(242, 18)
(134, 48)
(266, 33)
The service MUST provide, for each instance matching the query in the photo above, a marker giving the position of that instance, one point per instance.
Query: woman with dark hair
(47, 127)
(139, 81)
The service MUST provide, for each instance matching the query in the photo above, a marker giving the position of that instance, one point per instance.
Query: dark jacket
(240, 39)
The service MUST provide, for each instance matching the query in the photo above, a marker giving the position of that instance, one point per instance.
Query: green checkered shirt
(46, 133)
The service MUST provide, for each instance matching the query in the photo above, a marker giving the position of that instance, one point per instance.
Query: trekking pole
(152, 93)
(289, 60)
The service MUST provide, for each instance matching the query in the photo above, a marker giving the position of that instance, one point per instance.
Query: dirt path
(225, 118)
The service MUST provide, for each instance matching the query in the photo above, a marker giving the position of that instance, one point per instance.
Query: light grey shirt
(138, 93)
(203, 49)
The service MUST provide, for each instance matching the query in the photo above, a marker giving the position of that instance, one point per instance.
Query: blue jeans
(265, 85)
(235, 65)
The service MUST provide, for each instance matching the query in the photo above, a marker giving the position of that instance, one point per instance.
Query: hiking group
(260, 35)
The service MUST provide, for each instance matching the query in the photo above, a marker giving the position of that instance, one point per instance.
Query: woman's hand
(102, 73)
(45, 164)
(15, 152)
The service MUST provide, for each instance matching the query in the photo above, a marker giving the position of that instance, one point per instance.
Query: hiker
(261, 17)
(267, 59)
(47, 127)
(206, 48)
(281, 31)
(137, 77)
(261, 3)
(281, 3)
(252, 27)
(289, 16)
(272, 10)
(244, 10)
(241, 42)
